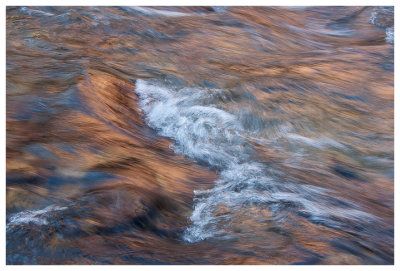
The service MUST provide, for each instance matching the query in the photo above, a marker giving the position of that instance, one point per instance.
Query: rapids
(200, 135)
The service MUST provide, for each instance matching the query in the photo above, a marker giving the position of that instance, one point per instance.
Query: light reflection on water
(196, 135)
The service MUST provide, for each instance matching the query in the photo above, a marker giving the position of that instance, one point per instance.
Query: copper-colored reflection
(77, 139)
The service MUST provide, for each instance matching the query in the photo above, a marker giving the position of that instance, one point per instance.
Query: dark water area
(200, 135)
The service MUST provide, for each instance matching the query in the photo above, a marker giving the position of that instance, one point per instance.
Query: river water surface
(200, 135)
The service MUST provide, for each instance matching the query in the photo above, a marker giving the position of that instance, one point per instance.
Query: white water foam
(152, 12)
(390, 35)
(37, 217)
(35, 12)
(319, 143)
(208, 134)
(378, 18)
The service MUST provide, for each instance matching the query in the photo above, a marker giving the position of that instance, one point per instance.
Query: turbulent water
(200, 135)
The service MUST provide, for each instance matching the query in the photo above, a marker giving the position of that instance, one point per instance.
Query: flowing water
(200, 135)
